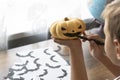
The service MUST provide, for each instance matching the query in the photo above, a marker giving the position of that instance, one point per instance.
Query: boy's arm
(97, 51)
(113, 68)
(78, 70)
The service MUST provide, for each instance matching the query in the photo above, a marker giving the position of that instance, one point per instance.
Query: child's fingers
(93, 45)
(93, 36)
(83, 40)
(59, 41)
(92, 48)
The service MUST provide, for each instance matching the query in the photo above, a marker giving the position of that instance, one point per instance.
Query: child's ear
(117, 46)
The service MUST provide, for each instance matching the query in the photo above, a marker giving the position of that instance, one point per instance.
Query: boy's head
(111, 15)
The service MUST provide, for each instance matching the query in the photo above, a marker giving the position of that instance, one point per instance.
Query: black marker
(96, 41)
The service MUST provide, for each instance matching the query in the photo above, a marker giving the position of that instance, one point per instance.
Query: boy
(109, 54)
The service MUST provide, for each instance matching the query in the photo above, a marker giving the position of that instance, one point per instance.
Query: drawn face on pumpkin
(73, 32)
(72, 29)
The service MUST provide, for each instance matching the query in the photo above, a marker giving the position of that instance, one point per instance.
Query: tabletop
(95, 70)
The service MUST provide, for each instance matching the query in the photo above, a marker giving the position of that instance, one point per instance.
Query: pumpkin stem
(66, 19)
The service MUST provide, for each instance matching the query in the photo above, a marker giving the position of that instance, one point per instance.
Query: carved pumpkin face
(67, 29)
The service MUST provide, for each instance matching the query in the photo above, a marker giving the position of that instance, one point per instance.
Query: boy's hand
(97, 51)
(70, 43)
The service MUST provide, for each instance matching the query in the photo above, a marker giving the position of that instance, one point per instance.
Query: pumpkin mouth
(72, 34)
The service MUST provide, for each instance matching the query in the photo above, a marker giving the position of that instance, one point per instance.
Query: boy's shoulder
(118, 78)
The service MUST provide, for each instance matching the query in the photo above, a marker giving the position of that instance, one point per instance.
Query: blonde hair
(112, 13)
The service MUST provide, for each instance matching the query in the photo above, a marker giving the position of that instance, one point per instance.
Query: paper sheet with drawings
(39, 64)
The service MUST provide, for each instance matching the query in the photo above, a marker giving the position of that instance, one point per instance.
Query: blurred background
(27, 21)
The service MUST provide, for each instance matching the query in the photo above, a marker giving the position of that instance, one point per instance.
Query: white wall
(35, 16)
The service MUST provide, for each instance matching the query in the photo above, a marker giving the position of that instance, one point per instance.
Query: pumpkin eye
(80, 27)
(63, 28)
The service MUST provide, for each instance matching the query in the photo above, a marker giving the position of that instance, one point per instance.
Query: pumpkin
(68, 28)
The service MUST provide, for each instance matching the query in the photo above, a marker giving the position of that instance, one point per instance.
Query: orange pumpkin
(67, 28)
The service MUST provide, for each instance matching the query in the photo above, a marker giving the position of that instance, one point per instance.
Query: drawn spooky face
(68, 29)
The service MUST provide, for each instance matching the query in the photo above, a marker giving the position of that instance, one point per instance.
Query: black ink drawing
(27, 70)
(24, 67)
(59, 48)
(45, 51)
(22, 64)
(10, 75)
(48, 65)
(41, 79)
(64, 74)
(43, 74)
(19, 70)
(52, 58)
(28, 55)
